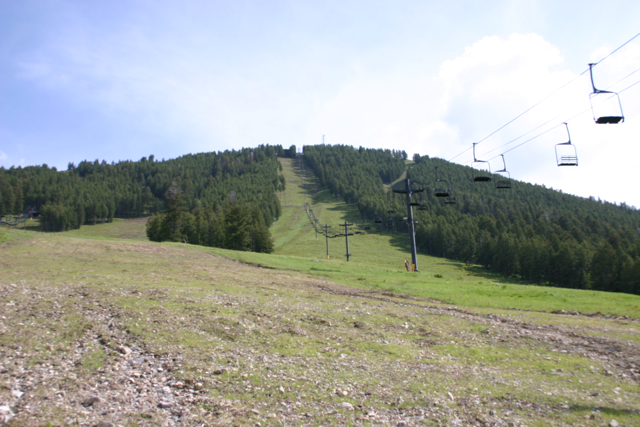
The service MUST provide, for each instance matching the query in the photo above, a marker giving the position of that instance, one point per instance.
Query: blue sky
(120, 80)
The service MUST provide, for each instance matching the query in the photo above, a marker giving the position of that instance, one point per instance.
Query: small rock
(281, 389)
(89, 401)
(5, 414)
(17, 393)
(402, 424)
(450, 395)
(104, 424)
(270, 415)
(346, 405)
(123, 349)
(199, 386)
(164, 404)
(218, 372)
(614, 423)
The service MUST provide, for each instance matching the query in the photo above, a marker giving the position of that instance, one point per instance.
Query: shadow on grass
(610, 412)
(325, 196)
(347, 213)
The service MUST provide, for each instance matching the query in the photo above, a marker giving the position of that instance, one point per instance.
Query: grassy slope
(285, 337)
(321, 342)
(378, 262)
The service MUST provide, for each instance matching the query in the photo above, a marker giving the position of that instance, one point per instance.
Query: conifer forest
(229, 200)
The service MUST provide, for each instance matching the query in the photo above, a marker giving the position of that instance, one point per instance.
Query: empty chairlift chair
(377, 219)
(451, 199)
(389, 223)
(605, 105)
(481, 169)
(566, 154)
(503, 180)
(415, 202)
(440, 186)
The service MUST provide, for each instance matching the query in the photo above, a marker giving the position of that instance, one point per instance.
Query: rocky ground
(135, 343)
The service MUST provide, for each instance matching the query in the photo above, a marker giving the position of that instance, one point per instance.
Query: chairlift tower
(346, 235)
(412, 230)
(315, 225)
(326, 234)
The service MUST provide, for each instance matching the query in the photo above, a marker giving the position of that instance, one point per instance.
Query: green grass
(377, 261)
(297, 331)
(130, 229)
(291, 333)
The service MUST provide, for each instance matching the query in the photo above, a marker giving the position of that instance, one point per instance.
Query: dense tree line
(340, 167)
(93, 192)
(535, 233)
(239, 226)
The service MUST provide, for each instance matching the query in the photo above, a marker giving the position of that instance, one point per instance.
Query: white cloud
(496, 79)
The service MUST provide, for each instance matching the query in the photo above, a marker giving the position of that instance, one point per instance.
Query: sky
(119, 80)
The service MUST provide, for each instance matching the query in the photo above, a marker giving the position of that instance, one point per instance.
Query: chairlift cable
(560, 124)
(532, 107)
(521, 136)
(550, 129)
(550, 95)
(523, 113)
(559, 89)
(616, 49)
(552, 119)
(460, 154)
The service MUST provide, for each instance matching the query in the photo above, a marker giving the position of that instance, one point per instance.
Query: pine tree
(237, 226)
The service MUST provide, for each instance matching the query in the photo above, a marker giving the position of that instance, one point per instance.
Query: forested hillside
(199, 189)
(529, 231)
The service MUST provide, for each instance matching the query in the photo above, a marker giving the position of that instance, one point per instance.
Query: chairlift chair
(378, 220)
(440, 187)
(504, 178)
(610, 111)
(566, 154)
(389, 223)
(481, 169)
(392, 212)
(451, 199)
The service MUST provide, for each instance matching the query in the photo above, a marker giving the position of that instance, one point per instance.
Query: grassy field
(294, 338)
(377, 262)
(291, 347)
